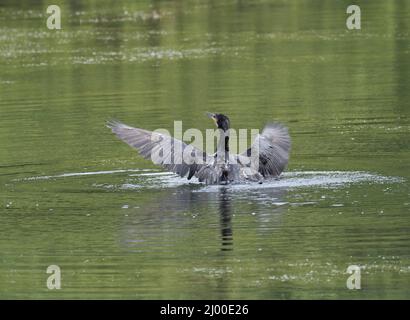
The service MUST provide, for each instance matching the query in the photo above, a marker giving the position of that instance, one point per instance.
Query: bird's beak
(210, 115)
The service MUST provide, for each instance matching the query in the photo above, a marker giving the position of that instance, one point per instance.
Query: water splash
(326, 179)
(148, 178)
(78, 174)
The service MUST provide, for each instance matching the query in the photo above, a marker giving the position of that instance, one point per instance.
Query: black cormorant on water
(266, 158)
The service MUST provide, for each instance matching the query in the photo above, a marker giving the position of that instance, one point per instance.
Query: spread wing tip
(276, 126)
(115, 124)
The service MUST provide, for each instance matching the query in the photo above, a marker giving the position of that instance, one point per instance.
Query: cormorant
(266, 158)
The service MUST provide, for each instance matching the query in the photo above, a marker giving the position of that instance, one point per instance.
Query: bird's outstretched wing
(162, 149)
(272, 147)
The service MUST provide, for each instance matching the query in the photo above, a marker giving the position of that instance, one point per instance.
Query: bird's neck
(222, 150)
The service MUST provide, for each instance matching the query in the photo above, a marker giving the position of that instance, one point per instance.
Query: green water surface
(68, 197)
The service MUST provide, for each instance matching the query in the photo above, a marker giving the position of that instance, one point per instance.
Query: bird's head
(221, 121)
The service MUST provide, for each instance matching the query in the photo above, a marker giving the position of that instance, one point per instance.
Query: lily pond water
(74, 196)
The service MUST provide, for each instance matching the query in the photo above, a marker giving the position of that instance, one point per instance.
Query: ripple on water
(148, 178)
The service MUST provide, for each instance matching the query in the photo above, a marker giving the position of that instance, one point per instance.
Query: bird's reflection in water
(226, 220)
(185, 213)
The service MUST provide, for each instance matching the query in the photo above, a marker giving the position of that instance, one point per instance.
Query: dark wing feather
(273, 147)
(160, 148)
